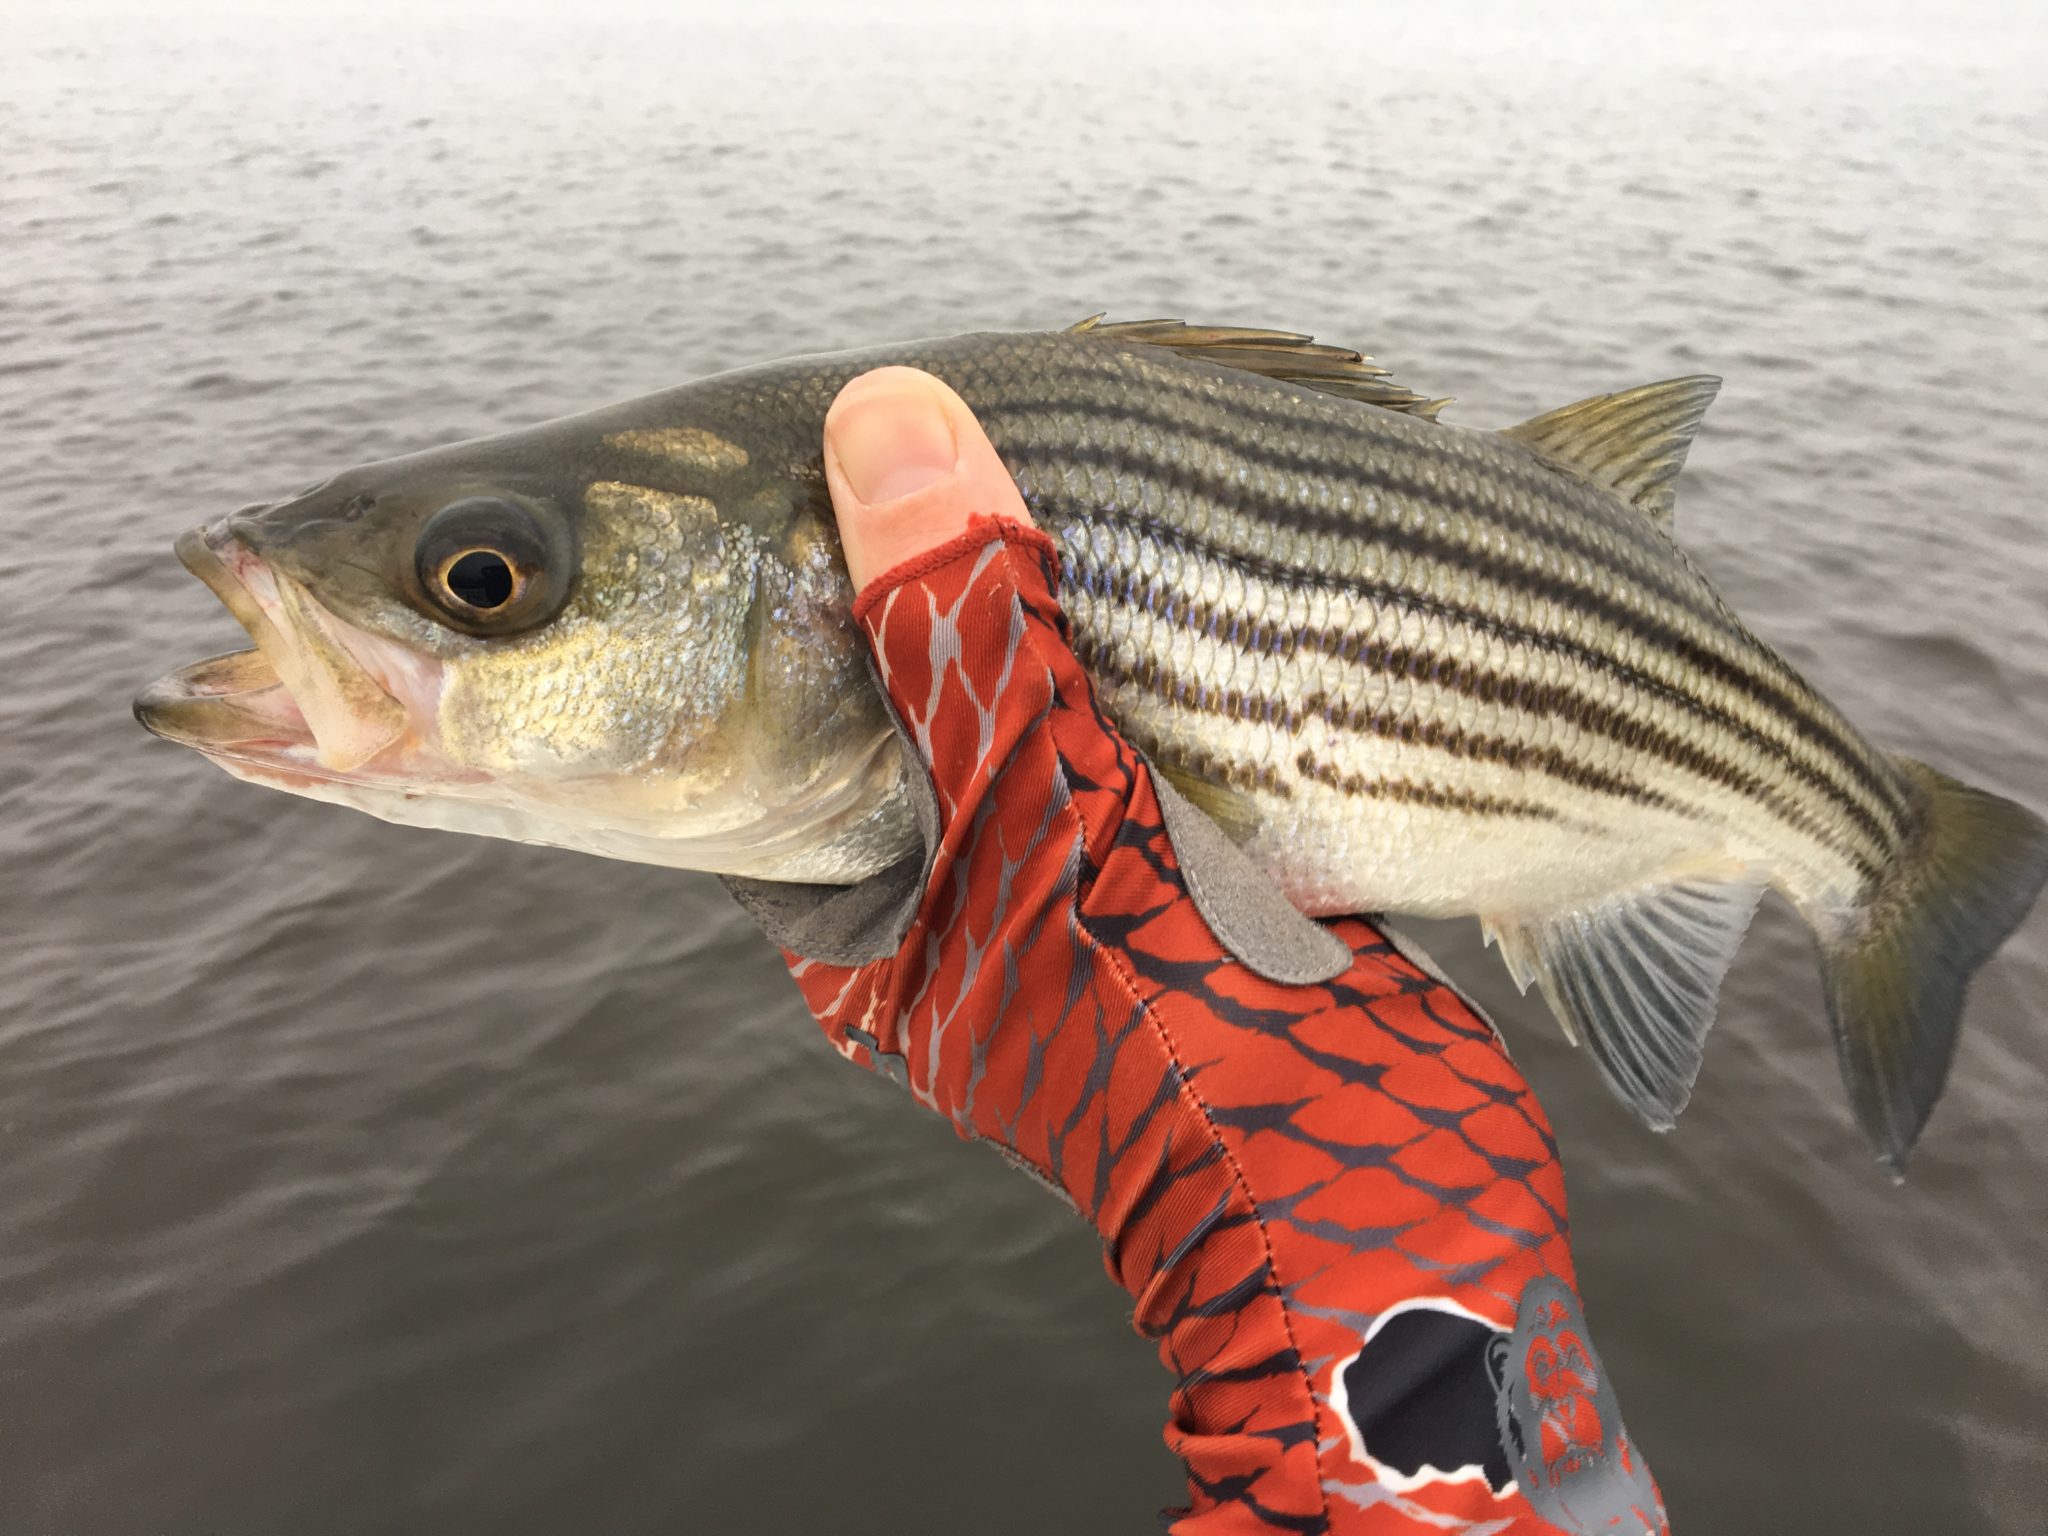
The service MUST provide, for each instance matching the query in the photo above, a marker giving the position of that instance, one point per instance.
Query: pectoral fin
(1229, 809)
(1634, 979)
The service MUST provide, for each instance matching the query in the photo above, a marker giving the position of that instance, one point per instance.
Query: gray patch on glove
(1243, 908)
(838, 924)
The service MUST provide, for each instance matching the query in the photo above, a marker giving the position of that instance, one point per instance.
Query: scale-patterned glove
(1337, 1205)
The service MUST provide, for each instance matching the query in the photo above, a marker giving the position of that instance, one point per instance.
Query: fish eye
(492, 566)
(481, 578)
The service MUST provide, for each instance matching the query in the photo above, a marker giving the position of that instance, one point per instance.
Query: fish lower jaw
(296, 768)
(235, 711)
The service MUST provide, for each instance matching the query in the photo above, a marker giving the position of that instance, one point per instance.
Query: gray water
(361, 1180)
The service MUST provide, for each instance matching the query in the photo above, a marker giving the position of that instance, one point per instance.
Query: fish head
(619, 633)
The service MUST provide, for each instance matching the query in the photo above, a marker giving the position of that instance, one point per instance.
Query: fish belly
(1385, 825)
(1333, 854)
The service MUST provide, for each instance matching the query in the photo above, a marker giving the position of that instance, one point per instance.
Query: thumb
(908, 465)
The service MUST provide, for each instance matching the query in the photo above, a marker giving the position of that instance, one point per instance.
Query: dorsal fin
(1286, 355)
(1633, 443)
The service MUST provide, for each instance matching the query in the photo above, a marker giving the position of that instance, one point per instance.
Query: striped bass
(1407, 665)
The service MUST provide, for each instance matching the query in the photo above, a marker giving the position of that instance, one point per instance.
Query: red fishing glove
(1336, 1204)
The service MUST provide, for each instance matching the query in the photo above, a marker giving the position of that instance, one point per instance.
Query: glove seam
(1114, 965)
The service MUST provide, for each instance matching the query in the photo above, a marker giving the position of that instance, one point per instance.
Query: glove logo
(1438, 1394)
(1561, 1424)
(1418, 1400)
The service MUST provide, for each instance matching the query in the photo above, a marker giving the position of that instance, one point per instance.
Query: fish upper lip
(199, 551)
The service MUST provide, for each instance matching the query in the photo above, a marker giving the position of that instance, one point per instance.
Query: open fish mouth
(316, 699)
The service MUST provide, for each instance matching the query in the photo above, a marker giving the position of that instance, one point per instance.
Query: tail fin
(1895, 982)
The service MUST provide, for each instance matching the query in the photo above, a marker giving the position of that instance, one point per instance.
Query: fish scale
(1638, 557)
(1463, 664)
(1431, 585)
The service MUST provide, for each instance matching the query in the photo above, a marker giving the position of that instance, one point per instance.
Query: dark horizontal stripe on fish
(1554, 701)
(1156, 678)
(1210, 767)
(1644, 555)
(1832, 744)
(1233, 773)
(1435, 796)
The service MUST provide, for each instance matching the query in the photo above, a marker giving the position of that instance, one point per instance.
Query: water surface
(355, 1179)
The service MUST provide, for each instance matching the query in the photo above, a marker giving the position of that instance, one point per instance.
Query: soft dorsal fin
(1633, 443)
(1286, 355)
(1634, 979)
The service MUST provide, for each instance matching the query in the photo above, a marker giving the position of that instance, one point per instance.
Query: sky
(1605, 15)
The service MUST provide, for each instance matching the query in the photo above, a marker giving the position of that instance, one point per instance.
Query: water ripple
(359, 1179)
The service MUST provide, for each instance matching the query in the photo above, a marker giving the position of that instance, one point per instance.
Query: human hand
(909, 468)
(1334, 1202)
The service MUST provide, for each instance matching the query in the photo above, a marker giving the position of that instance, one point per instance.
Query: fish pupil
(481, 578)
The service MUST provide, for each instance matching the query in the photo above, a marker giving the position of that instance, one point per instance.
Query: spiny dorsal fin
(1634, 979)
(1632, 443)
(1286, 355)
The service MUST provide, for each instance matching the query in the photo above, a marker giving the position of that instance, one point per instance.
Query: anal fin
(1634, 978)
